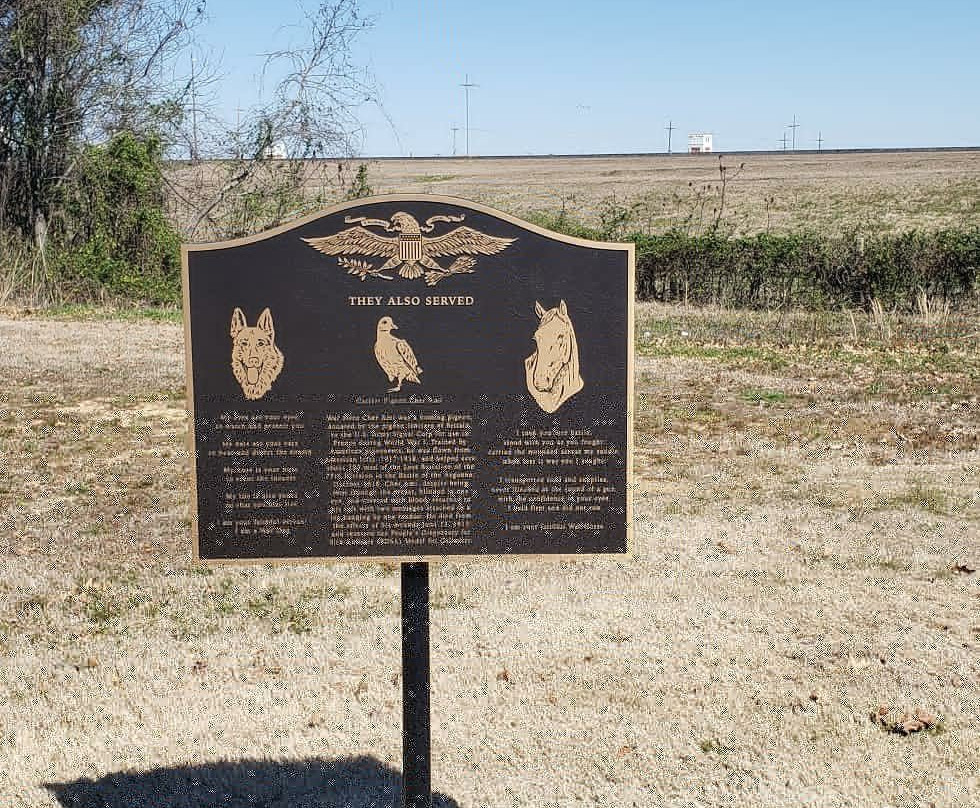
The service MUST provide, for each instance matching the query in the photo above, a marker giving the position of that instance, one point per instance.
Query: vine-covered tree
(95, 93)
(74, 72)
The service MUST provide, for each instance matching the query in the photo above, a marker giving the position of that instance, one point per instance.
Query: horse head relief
(552, 371)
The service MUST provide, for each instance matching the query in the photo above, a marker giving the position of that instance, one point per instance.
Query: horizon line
(600, 155)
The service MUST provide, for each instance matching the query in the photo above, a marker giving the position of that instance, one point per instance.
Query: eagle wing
(408, 355)
(464, 241)
(356, 241)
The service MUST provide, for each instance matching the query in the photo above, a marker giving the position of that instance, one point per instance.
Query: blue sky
(582, 77)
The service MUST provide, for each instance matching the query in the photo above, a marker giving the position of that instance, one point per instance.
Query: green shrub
(114, 240)
(359, 186)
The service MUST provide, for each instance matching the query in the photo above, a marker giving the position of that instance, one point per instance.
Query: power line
(794, 126)
(466, 85)
(670, 128)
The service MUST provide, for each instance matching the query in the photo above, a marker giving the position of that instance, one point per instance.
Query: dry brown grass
(808, 504)
(880, 192)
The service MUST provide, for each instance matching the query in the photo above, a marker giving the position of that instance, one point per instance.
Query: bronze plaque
(413, 377)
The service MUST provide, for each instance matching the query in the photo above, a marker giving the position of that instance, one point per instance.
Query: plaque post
(416, 746)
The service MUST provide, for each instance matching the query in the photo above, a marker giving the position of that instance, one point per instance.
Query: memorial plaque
(411, 377)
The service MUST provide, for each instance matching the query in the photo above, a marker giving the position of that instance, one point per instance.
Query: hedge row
(801, 269)
(809, 270)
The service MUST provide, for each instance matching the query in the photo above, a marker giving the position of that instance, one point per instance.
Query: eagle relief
(409, 251)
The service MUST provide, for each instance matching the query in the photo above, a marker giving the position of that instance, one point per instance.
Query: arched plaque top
(428, 199)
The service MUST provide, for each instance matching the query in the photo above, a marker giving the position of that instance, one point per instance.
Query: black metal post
(416, 740)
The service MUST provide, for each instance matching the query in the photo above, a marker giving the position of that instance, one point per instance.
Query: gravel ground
(795, 568)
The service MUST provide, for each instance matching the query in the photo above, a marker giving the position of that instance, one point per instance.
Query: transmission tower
(794, 126)
(785, 138)
(466, 85)
(669, 128)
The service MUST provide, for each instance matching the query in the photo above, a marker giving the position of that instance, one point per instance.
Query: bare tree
(290, 150)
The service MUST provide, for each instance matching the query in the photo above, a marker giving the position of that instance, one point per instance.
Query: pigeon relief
(395, 355)
(552, 371)
(409, 251)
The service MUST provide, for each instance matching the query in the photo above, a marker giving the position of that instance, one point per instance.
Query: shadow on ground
(353, 782)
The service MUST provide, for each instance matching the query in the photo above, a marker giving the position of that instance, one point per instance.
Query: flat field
(824, 192)
(807, 545)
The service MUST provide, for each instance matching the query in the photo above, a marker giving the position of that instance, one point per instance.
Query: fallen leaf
(878, 715)
(904, 723)
(88, 664)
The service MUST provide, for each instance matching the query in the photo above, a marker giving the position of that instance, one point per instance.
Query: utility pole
(466, 85)
(193, 109)
(784, 140)
(819, 141)
(455, 129)
(794, 126)
(670, 128)
(238, 129)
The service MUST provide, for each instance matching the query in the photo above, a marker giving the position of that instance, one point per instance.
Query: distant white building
(699, 143)
(276, 151)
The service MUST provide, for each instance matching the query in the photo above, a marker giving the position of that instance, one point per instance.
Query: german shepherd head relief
(255, 359)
